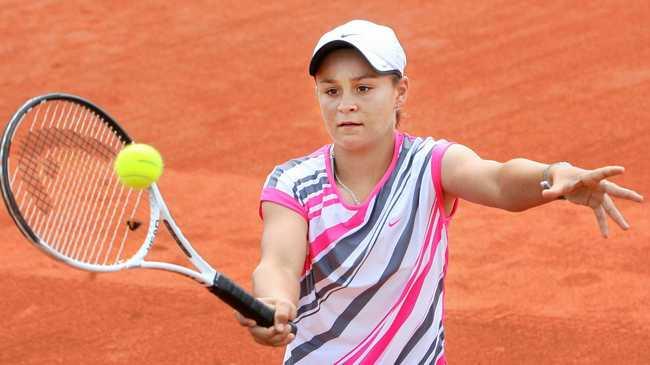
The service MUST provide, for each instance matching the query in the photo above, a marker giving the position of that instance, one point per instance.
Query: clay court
(222, 90)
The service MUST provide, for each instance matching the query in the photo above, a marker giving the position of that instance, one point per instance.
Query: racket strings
(65, 189)
(75, 206)
(59, 190)
(33, 158)
(30, 149)
(25, 148)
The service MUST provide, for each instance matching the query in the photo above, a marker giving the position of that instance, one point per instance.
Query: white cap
(377, 43)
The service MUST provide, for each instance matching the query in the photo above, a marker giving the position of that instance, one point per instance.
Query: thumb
(557, 190)
(284, 311)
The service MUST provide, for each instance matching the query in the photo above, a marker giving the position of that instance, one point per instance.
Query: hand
(590, 188)
(280, 333)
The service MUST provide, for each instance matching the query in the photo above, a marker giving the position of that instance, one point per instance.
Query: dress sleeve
(438, 152)
(279, 188)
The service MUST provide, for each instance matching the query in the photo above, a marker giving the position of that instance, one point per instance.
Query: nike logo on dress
(347, 35)
(390, 224)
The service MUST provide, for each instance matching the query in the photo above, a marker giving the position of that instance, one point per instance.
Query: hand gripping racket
(58, 185)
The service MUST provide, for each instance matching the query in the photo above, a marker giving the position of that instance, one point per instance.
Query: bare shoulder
(457, 154)
(454, 162)
(468, 176)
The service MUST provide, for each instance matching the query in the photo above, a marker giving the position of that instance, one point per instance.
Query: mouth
(349, 124)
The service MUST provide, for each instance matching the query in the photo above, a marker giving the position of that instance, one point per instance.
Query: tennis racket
(58, 185)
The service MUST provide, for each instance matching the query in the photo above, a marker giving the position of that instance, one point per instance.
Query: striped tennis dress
(372, 289)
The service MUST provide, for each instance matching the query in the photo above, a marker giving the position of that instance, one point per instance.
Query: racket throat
(178, 241)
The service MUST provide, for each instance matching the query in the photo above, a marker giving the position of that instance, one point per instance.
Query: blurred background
(222, 90)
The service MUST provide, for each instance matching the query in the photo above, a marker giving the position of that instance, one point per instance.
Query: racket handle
(244, 303)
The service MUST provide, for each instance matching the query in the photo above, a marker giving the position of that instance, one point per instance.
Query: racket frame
(157, 207)
(218, 284)
(160, 213)
(5, 146)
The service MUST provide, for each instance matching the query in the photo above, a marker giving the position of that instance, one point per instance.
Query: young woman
(354, 247)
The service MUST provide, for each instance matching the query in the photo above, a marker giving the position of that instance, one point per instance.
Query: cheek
(383, 105)
(327, 108)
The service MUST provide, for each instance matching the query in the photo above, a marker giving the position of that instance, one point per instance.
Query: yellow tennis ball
(138, 165)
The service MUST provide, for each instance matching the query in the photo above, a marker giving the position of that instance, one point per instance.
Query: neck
(361, 170)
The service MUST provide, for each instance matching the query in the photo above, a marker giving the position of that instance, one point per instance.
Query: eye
(362, 89)
(331, 91)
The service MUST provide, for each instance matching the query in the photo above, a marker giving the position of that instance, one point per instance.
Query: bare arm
(276, 280)
(515, 185)
(284, 248)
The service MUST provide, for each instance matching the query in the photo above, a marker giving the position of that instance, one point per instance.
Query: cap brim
(322, 52)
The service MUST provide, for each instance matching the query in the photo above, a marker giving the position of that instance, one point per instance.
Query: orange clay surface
(222, 91)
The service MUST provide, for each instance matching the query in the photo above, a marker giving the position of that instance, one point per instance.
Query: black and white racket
(59, 187)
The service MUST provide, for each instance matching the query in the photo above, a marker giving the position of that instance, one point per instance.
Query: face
(358, 104)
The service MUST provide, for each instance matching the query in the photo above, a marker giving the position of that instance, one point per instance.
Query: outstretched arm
(515, 185)
(276, 278)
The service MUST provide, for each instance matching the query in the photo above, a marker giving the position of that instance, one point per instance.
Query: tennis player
(354, 247)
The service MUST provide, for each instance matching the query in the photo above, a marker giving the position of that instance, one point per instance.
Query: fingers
(243, 321)
(601, 217)
(593, 177)
(621, 192)
(593, 190)
(270, 336)
(247, 322)
(614, 213)
(284, 311)
(594, 202)
(280, 333)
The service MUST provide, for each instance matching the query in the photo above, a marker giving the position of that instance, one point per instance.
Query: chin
(354, 142)
(359, 139)
(348, 141)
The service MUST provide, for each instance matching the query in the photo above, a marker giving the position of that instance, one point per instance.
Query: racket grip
(244, 303)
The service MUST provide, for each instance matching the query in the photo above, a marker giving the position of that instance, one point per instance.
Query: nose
(346, 106)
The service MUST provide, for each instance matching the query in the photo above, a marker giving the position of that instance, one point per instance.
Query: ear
(402, 88)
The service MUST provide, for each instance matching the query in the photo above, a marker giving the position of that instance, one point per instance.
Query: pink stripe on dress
(363, 345)
(436, 176)
(325, 239)
(399, 138)
(319, 211)
(281, 198)
(408, 305)
(318, 200)
(332, 234)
